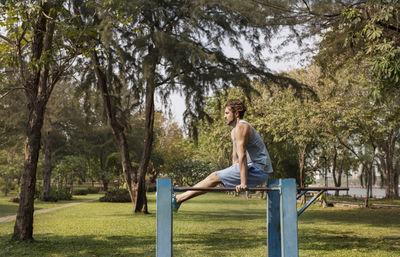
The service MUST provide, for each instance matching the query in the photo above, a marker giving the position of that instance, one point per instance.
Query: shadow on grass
(339, 240)
(218, 242)
(84, 245)
(220, 215)
(223, 201)
(371, 217)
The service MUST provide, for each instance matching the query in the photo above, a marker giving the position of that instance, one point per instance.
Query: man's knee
(213, 177)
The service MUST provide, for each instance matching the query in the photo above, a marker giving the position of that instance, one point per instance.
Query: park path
(13, 217)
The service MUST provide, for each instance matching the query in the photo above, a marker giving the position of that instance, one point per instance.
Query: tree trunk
(368, 182)
(336, 177)
(141, 200)
(47, 168)
(150, 63)
(105, 185)
(302, 159)
(38, 92)
(396, 185)
(23, 229)
(6, 186)
(130, 176)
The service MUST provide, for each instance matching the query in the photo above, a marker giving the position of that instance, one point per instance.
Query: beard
(230, 122)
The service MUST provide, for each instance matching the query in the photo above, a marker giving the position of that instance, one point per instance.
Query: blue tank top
(256, 153)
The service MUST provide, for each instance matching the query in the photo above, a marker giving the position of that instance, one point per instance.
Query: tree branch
(7, 39)
(22, 36)
(9, 91)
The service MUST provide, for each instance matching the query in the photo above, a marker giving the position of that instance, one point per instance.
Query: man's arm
(241, 136)
(234, 155)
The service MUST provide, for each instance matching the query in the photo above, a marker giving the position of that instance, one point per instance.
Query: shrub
(80, 192)
(93, 190)
(116, 195)
(15, 199)
(61, 193)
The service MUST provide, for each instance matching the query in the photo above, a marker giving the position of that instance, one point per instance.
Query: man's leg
(210, 181)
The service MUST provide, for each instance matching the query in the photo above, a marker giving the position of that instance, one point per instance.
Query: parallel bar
(289, 218)
(310, 202)
(164, 218)
(321, 188)
(219, 189)
(273, 220)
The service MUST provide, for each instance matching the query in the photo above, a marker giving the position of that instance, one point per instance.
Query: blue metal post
(164, 218)
(273, 220)
(289, 218)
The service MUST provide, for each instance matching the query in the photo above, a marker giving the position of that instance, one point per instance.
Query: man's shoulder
(241, 127)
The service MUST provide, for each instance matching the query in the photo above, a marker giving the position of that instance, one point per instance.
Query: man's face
(229, 116)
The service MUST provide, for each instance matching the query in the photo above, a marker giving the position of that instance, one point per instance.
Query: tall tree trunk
(6, 186)
(104, 178)
(23, 229)
(130, 176)
(47, 168)
(368, 181)
(302, 160)
(150, 62)
(396, 185)
(336, 177)
(141, 200)
(38, 92)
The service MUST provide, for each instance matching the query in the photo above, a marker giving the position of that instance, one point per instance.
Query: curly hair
(236, 105)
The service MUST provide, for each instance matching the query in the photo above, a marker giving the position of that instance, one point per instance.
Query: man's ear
(237, 114)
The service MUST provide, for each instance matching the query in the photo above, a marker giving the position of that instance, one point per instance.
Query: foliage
(189, 172)
(116, 195)
(56, 194)
(369, 33)
(71, 169)
(85, 191)
(11, 165)
(80, 192)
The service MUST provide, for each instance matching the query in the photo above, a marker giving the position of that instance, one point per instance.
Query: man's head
(234, 109)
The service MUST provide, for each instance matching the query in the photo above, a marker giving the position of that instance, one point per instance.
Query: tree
(171, 46)
(10, 170)
(289, 118)
(38, 56)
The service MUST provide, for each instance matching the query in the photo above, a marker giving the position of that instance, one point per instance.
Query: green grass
(8, 208)
(210, 225)
(360, 200)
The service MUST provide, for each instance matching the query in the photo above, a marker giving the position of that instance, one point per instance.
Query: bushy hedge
(85, 191)
(62, 193)
(117, 195)
(93, 190)
(80, 192)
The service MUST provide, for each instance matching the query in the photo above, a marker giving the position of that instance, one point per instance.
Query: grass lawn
(8, 208)
(215, 224)
(360, 201)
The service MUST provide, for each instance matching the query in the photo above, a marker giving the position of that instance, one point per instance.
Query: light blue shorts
(230, 176)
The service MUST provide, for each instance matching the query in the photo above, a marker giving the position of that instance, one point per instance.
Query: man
(251, 163)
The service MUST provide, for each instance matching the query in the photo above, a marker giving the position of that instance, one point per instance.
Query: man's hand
(241, 187)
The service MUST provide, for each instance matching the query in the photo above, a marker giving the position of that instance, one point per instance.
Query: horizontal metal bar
(219, 189)
(321, 188)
